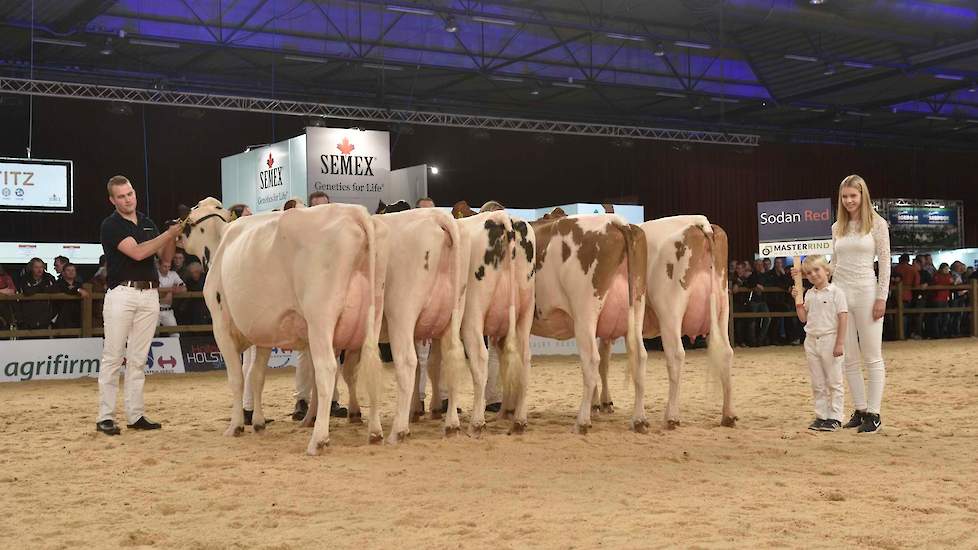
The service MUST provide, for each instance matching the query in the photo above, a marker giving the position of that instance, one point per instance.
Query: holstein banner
(200, 353)
(795, 228)
(65, 358)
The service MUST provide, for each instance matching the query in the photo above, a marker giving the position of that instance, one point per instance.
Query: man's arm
(143, 250)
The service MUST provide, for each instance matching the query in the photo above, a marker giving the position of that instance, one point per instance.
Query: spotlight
(829, 70)
(107, 48)
(450, 24)
(434, 170)
(974, 86)
(660, 50)
(816, 2)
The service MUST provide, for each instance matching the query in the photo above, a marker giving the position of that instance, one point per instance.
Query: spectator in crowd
(69, 312)
(170, 284)
(317, 198)
(940, 298)
(424, 202)
(59, 265)
(909, 275)
(240, 210)
(294, 202)
(7, 285)
(744, 330)
(178, 263)
(959, 322)
(970, 273)
(194, 311)
(929, 265)
(35, 314)
(757, 304)
(7, 288)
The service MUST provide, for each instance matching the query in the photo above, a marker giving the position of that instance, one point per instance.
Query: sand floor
(766, 483)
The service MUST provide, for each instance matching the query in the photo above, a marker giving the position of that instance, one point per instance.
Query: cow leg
(588, 348)
(475, 347)
(257, 376)
(305, 358)
(518, 393)
(349, 371)
(434, 376)
(638, 359)
(405, 364)
(230, 350)
(672, 346)
(324, 365)
(722, 354)
(452, 359)
(604, 405)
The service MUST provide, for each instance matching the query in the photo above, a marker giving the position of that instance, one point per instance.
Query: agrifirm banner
(351, 166)
(65, 358)
(795, 228)
(36, 185)
(200, 353)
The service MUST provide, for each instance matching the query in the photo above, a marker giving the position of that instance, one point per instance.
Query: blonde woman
(859, 236)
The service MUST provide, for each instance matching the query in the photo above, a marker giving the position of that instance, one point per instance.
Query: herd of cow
(334, 278)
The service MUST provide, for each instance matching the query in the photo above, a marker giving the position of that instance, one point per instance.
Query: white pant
(305, 378)
(826, 373)
(493, 393)
(167, 319)
(130, 318)
(864, 346)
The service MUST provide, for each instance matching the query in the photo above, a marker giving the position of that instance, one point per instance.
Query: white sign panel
(265, 177)
(77, 253)
(549, 346)
(64, 358)
(351, 166)
(796, 248)
(35, 185)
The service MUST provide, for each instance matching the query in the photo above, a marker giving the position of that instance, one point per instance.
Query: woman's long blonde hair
(865, 207)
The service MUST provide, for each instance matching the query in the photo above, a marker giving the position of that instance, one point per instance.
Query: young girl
(824, 313)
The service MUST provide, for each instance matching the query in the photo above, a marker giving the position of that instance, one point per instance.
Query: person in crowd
(294, 202)
(424, 202)
(757, 304)
(825, 314)
(7, 285)
(910, 277)
(970, 273)
(929, 265)
(240, 210)
(779, 277)
(131, 307)
(59, 265)
(35, 314)
(178, 263)
(858, 236)
(7, 288)
(317, 198)
(937, 299)
(69, 312)
(170, 284)
(743, 328)
(194, 311)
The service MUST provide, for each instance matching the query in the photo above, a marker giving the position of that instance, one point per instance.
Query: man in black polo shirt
(131, 308)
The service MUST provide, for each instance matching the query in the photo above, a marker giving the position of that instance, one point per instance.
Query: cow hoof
(452, 431)
(581, 428)
(356, 418)
(518, 428)
(608, 407)
(376, 438)
(477, 431)
(234, 431)
(595, 407)
(729, 421)
(672, 424)
(259, 428)
(640, 426)
(314, 447)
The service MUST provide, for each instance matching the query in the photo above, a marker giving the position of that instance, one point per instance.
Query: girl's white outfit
(823, 308)
(852, 262)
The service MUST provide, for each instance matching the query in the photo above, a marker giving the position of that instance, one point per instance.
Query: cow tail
(510, 360)
(636, 291)
(453, 362)
(718, 341)
(370, 368)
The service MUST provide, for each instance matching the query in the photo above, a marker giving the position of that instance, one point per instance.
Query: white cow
(303, 279)
(687, 295)
(423, 299)
(499, 299)
(590, 283)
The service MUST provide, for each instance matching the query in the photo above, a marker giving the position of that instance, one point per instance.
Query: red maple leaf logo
(346, 147)
(270, 160)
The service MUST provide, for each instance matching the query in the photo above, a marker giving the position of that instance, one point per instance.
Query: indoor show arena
(498, 274)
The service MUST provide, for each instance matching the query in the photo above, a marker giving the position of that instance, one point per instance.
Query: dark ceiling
(892, 72)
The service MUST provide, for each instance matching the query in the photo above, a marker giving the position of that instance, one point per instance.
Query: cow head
(461, 209)
(203, 229)
(399, 206)
(557, 212)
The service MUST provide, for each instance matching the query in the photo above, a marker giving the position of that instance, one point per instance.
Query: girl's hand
(879, 308)
(795, 292)
(837, 351)
(795, 272)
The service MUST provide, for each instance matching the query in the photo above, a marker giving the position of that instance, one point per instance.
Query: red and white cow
(687, 295)
(423, 299)
(499, 299)
(590, 283)
(302, 278)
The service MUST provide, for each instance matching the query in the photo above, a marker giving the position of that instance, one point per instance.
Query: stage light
(450, 24)
(434, 170)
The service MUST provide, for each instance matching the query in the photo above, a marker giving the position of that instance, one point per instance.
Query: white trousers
(826, 370)
(130, 318)
(168, 319)
(305, 378)
(864, 346)
(493, 392)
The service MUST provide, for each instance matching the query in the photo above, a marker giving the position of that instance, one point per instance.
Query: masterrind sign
(351, 166)
(36, 185)
(794, 228)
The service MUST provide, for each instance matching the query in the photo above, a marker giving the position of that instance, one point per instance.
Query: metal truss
(373, 114)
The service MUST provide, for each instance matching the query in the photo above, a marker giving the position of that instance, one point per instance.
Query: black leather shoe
(336, 411)
(108, 427)
(247, 416)
(144, 424)
(301, 406)
(494, 407)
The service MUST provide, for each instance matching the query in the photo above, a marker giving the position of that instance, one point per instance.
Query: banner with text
(200, 353)
(36, 185)
(351, 166)
(795, 228)
(65, 358)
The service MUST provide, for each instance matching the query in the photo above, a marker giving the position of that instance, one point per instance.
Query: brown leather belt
(140, 285)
